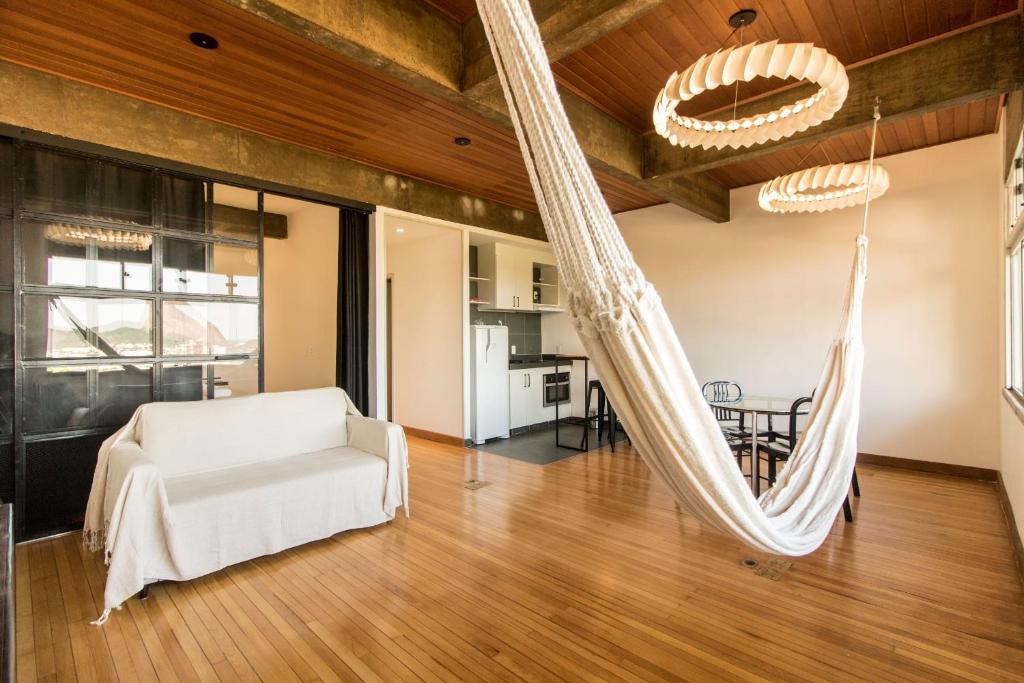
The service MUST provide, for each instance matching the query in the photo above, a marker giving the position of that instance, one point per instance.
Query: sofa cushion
(235, 514)
(199, 436)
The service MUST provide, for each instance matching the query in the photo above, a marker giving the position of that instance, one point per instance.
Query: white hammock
(631, 342)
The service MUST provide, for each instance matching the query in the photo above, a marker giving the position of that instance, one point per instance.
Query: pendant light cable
(871, 168)
(736, 92)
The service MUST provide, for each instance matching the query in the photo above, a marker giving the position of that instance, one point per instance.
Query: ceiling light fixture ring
(105, 238)
(823, 188)
(744, 63)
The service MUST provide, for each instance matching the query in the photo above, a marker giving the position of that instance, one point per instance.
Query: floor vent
(474, 484)
(772, 569)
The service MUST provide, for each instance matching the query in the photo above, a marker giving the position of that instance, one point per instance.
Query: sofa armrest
(385, 440)
(126, 459)
(137, 523)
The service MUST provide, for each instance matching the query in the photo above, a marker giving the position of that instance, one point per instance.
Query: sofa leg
(144, 593)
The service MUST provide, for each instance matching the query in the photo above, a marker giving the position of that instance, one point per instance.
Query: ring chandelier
(104, 238)
(823, 188)
(744, 63)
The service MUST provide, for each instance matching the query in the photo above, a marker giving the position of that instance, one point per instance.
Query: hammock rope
(631, 342)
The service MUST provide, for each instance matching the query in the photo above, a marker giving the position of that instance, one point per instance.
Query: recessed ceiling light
(461, 141)
(203, 40)
(399, 229)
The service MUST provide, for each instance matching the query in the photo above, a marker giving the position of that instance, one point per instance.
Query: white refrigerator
(488, 382)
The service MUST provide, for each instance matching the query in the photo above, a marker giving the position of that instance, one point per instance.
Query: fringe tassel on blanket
(95, 540)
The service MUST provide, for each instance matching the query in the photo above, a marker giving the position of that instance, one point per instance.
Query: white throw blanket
(631, 342)
(129, 518)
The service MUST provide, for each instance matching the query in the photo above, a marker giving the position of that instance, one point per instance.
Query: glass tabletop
(775, 405)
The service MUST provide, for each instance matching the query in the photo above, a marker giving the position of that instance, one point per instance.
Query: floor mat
(539, 447)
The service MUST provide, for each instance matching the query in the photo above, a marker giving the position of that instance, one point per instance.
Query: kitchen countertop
(564, 360)
(528, 365)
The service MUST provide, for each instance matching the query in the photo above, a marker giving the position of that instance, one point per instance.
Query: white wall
(300, 301)
(426, 266)
(558, 335)
(756, 300)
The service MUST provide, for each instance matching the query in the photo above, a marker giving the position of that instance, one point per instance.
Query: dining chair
(781, 447)
(736, 435)
(725, 390)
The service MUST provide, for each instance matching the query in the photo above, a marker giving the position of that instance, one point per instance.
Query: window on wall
(132, 285)
(1015, 274)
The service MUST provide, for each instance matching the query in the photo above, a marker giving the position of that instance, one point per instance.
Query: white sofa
(188, 488)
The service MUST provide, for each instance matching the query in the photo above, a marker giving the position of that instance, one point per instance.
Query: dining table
(756, 406)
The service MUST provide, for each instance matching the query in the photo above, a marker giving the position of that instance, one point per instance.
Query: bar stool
(595, 385)
(613, 428)
(603, 405)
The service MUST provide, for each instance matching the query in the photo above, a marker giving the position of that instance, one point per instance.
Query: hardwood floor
(583, 569)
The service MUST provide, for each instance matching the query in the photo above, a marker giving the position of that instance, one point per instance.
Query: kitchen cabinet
(510, 273)
(517, 279)
(526, 397)
(524, 388)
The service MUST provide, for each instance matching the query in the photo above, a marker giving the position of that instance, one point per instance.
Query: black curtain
(353, 306)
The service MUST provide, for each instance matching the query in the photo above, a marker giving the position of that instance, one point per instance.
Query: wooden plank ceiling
(624, 71)
(947, 125)
(269, 81)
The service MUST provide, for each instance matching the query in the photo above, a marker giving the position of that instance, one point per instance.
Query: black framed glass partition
(120, 284)
(7, 430)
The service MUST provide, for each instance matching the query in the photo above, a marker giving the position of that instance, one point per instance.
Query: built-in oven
(556, 388)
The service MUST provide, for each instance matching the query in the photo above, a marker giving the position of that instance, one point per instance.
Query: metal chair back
(722, 390)
(794, 413)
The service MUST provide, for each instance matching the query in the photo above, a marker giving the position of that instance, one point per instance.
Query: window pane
(6, 251)
(60, 183)
(120, 390)
(202, 381)
(56, 398)
(199, 268)
(80, 256)
(184, 203)
(1015, 321)
(235, 212)
(6, 326)
(6, 401)
(198, 328)
(56, 183)
(6, 175)
(7, 472)
(84, 327)
(125, 193)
